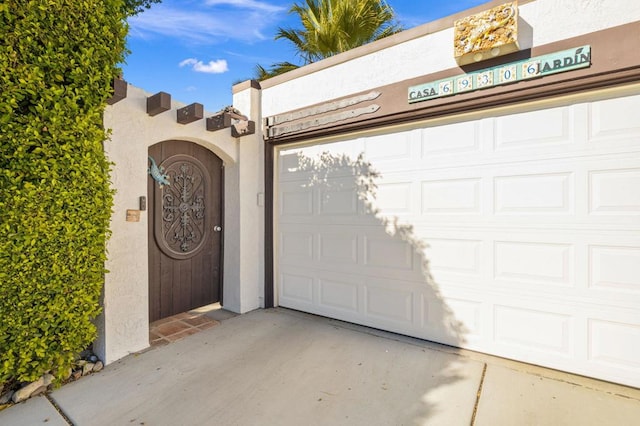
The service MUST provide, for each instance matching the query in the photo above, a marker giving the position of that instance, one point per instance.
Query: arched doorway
(185, 229)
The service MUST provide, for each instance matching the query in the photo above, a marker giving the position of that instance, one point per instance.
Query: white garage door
(516, 235)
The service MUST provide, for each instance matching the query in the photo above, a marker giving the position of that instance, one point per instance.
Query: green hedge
(57, 60)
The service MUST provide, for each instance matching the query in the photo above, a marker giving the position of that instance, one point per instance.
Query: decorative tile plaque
(540, 66)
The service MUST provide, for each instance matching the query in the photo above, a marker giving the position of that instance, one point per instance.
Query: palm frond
(329, 27)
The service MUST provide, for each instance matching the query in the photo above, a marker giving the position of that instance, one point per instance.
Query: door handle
(217, 228)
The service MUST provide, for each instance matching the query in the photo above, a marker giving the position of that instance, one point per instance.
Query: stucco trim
(613, 63)
(247, 84)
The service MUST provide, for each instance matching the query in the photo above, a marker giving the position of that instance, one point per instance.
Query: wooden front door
(185, 229)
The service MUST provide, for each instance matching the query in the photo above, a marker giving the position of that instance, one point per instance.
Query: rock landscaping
(14, 393)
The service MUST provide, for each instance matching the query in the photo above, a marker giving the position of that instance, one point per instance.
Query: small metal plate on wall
(133, 215)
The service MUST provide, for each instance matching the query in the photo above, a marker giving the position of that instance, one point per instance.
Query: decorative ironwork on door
(184, 223)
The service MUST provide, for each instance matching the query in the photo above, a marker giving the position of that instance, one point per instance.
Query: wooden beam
(190, 113)
(119, 87)
(219, 121)
(160, 102)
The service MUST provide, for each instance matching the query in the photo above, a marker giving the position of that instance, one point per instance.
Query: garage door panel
(340, 293)
(545, 263)
(296, 199)
(516, 235)
(334, 247)
(391, 148)
(614, 192)
(457, 321)
(296, 247)
(521, 131)
(546, 193)
(615, 119)
(395, 198)
(337, 197)
(296, 288)
(614, 268)
(290, 167)
(454, 256)
(451, 196)
(468, 317)
(614, 344)
(389, 303)
(453, 139)
(389, 253)
(536, 192)
(535, 330)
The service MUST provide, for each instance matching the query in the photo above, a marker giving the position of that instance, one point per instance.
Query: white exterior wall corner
(123, 326)
(244, 223)
(547, 20)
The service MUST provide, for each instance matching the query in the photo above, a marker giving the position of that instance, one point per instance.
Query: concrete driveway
(281, 367)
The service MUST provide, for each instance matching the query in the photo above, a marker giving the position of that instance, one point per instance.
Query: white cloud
(247, 4)
(213, 67)
(236, 20)
(187, 26)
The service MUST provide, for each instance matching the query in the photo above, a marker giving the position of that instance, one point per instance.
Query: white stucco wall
(551, 20)
(123, 327)
(244, 227)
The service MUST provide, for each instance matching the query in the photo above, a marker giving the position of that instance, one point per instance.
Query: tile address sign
(554, 63)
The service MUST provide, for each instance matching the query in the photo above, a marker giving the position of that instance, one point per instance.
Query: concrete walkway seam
(478, 394)
(58, 409)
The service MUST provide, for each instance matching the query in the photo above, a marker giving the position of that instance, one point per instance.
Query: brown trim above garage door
(615, 60)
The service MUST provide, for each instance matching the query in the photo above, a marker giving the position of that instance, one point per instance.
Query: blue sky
(197, 49)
